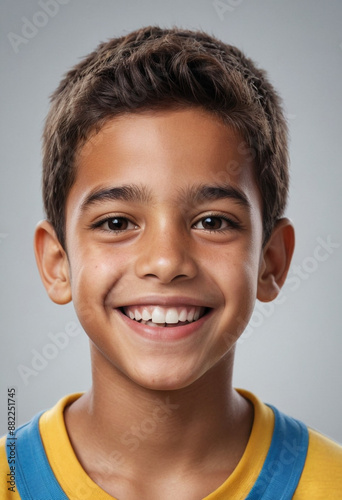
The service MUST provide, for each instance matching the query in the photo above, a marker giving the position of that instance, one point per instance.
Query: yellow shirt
(321, 478)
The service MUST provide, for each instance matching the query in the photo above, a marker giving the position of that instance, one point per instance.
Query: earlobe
(276, 260)
(52, 263)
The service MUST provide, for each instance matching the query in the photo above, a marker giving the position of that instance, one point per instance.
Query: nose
(166, 256)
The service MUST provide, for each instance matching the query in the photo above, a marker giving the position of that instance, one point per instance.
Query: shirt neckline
(78, 485)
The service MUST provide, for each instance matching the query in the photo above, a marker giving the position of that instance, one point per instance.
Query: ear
(276, 260)
(52, 263)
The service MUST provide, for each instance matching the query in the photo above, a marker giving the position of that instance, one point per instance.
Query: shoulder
(322, 474)
(8, 490)
(28, 449)
(324, 447)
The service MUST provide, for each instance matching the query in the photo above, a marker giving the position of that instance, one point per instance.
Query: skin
(162, 252)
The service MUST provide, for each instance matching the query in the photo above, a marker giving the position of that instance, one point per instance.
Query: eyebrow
(193, 195)
(203, 193)
(129, 192)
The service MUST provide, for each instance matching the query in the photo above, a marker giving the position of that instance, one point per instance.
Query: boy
(165, 181)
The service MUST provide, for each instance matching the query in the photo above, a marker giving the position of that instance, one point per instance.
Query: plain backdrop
(290, 354)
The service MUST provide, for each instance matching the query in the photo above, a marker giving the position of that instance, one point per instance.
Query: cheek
(238, 283)
(94, 273)
(237, 270)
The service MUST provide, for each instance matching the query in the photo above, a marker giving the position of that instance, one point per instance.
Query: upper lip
(166, 301)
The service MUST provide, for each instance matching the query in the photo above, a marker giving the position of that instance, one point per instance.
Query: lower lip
(165, 333)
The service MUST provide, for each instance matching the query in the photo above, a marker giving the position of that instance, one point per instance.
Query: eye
(117, 224)
(216, 223)
(211, 223)
(114, 224)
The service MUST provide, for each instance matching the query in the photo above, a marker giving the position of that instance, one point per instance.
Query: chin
(172, 379)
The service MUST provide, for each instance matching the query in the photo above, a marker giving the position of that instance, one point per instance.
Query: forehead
(167, 153)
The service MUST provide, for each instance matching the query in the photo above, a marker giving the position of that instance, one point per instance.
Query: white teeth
(171, 316)
(150, 323)
(190, 316)
(137, 315)
(183, 315)
(146, 316)
(158, 315)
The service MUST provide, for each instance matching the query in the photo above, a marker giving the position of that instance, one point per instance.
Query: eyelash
(97, 225)
(231, 224)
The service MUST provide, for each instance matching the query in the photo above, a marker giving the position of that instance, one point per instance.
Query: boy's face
(164, 221)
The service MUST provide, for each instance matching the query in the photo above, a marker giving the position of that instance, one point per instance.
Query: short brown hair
(154, 68)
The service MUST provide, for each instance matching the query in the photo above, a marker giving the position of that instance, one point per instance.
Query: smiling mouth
(160, 316)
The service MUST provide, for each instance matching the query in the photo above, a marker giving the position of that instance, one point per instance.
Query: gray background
(291, 353)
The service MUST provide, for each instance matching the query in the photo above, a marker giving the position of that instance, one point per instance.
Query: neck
(148, 430)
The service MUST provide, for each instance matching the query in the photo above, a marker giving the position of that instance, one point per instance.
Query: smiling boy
(165, 182)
